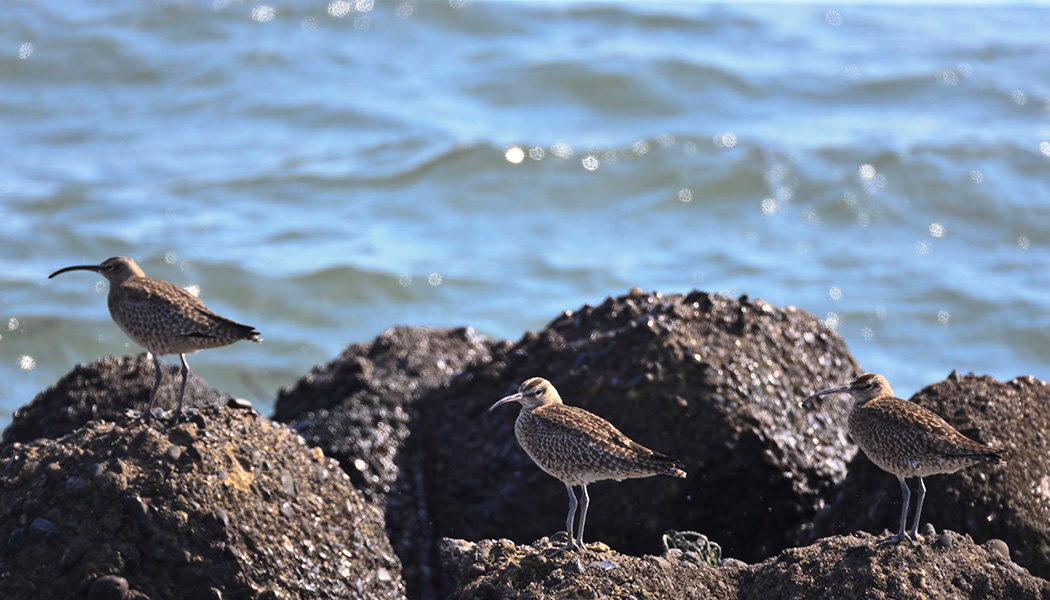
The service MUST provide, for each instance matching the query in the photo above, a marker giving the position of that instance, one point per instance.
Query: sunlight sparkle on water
(835, 293)
(943, 316)
(936, 230)
(310, 24)
(25, 51)
(833, 18)
(434, 279)
(1023, 243)
(769, 206)
(536, 153)
(561, 150)
(514, 155)
(948, 77)
(340, 8)
(976, 176)
(867, 334)
(12, 324)
(26, 362)
(1044, 147)
(923, 248)
(405, 280)
(729, 139)
(640, 148)
(867, 172)
(590, 162)
(832, 320)
(685, 195)
(101, 287)
(1019, 97)
(262, 13)
(405, 10)
(171, 257)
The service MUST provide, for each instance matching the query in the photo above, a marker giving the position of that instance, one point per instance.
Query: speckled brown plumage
(162, 318)
(905, 439)
(578, 447)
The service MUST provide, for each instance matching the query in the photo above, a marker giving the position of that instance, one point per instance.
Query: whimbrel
(162, 318)
(578, 448)
(905, 439)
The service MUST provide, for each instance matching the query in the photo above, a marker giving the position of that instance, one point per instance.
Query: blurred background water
(323, 170)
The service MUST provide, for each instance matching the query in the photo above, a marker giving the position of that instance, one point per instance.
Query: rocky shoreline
(379, 464)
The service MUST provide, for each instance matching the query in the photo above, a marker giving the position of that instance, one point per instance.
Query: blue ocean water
(324, 170)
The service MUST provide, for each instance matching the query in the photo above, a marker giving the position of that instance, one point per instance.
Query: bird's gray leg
(568, 521)
(585, 501)
(146, 414)
(906, 495)
(914, 531)
(182, 392)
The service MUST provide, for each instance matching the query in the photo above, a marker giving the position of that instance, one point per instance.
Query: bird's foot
(896, 539)
(569, 545)
(143, 416)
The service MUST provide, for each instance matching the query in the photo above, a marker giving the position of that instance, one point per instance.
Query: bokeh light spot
(943, 316)
(405, 280)
(729, 139)
(833, 18)
(640, 148)
(976, 176)
(590, 162)
(262, 13)
(685, 195)
(867, 334)
(514, 155)
(835, 293)
(769, 206)
(936, 230)
(171, 257)
(1019, 97)
(25, 51)
(434, 279)
(536, 153)
(923, 248)
(310, 24)
(26, 362)
(340, 8)
(867, 172)
(832, 320)
(561, 150)
(1023, 243)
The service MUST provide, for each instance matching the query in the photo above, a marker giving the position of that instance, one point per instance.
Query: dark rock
(357, 409)
(857, 566)
(497, 569)
(105, 389)
(108, 587)
(710, 380)
(353, 407)
(176, 531)
(1008, 502)
(854, 566)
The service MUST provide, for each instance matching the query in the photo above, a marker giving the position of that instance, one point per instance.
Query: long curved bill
(511, 398)
(94, 268)
(834, 390)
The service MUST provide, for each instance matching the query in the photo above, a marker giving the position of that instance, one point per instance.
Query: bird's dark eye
(108, 267)
(870, 386)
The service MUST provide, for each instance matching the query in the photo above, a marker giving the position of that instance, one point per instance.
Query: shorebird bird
(906, 440)
(162, 318)
(578, 448)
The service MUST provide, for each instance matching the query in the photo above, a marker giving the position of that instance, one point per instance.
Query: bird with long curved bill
(578, 448)
(162, 318)
(906, 440)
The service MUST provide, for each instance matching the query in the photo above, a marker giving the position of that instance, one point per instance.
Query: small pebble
(73, 553)
(238, 403)
(17, 541)
(174, 453)
(221, 517)
(944, 540)
(999, 546)
(108, 587)
(287, 510)
(46, 527)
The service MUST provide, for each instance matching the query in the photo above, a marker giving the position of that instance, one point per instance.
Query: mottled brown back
(166, 319)
(578, 447)
(908, 440)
